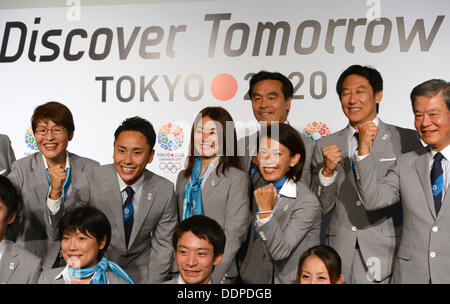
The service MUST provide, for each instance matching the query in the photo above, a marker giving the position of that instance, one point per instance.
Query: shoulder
(157, 180)
(331, 139)
(47, 276)
(82, 161)
(29, 161)
(236, 174)
(114, 279)
(26, 256)
(4, 139)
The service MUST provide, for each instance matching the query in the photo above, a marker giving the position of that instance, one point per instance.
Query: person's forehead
(355, 80)
(268, 84)
(191, 241)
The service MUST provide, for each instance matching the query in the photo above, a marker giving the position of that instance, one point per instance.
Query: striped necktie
(437, 178)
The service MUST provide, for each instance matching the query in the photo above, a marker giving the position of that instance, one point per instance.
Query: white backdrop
(175, 55)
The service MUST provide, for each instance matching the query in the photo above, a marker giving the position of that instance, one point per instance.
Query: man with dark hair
(140, 205)
(420, 179)
(199, 243)
(365, 240)
(271, 95)
(17, 266)
(7, 156)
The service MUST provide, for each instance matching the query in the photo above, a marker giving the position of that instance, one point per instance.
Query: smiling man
(365, 240)
(199, 243)
(420, 178)
(139, 204)
(271, 95)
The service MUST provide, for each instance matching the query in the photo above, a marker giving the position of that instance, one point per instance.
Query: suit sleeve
(35, 272)
(377, 194)
(307, 173)
(280, 243)
(161, 253)
(10, 156)
(326, 194)
(237, 222)
(16, 178)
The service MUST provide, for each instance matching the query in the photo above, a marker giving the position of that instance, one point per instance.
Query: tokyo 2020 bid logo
(170, 140)
(316, 130)
(30, 140)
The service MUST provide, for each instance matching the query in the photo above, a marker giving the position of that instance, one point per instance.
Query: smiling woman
(286, 213)
(46, 180)
(85, 234)
(214, 185)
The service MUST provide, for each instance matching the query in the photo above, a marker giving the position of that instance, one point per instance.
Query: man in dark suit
(140, 205)
(420, 179)
(366, 240)
(7, 156)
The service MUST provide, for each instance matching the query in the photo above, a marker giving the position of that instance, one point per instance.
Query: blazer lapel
(423, 168)
(209, 186)
(148, 195)
(9, 262)
(114, 197)
(40, 177)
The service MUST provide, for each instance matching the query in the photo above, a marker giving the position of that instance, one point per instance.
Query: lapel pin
(149, 196)
(385, 136)
(285, 208)
(11, 266)
(213, 183)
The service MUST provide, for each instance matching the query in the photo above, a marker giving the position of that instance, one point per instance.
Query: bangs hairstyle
(138, 124)
(204, 228)
(432, 88)
(56, 112)
(291, 139)
(8, 195)
(328, 256)
(89, 221)
(226, 133)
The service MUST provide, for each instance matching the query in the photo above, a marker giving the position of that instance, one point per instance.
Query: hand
(332, 156)
(266, 198)
(57, 176)
(367, 133)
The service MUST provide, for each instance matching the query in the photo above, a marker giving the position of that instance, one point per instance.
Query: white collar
(352, 130)
(2, 248)
(289, 189)
(136, 186)
(180, 280)
(66, 276)
(67, 160)
(445, 152)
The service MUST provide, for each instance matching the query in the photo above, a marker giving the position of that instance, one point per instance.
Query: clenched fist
(266, 198)
(57, 176)
(367, 133)
(332, 156)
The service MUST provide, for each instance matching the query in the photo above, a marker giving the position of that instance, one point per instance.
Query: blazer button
(354, 228)
(358, 203)
(432, 254)
(435, 229)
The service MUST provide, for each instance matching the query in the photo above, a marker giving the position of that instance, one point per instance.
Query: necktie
(128, 213)
(437, 177)
(355, 149)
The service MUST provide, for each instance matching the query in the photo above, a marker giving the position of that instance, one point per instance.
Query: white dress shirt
(2, 248)
(137, 188)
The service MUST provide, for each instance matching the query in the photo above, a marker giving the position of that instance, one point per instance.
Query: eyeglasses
(55, 131)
